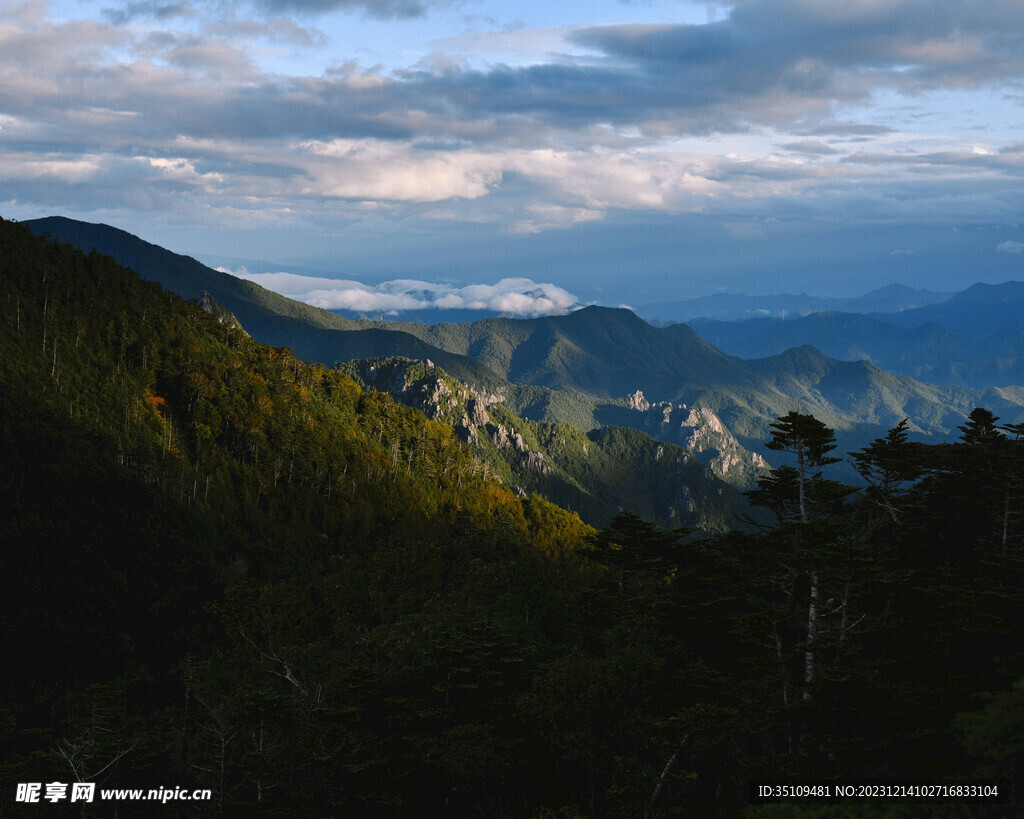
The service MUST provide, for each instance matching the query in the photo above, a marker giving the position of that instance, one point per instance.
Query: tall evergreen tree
(889, 465)
(800, 493)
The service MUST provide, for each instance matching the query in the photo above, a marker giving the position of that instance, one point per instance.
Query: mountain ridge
(927, 352)
(598, 355)
(976, 312)
(892, 298)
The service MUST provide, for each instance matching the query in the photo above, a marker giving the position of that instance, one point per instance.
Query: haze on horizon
(602, 152)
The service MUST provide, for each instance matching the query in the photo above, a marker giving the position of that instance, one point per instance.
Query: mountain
(978, 312)
(600, 351)
(425, 315)
(928, 352)
(893, 298)
(223, 565)
(319, 335)
(239, 572)
(697, 429)
(311, 332)
(595, 473)
(609, 353)
(585, 359)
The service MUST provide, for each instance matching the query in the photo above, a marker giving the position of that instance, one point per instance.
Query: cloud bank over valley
(521, 298)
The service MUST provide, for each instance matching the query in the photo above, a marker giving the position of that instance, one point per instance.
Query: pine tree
(800, 492)
(889, 465)
(801, 495)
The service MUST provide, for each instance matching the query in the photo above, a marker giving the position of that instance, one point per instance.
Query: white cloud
(518, 45)
(519, 297)
(1010, 247)
(377, 170)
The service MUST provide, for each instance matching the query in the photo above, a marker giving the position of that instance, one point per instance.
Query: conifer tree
(889, 465)
(800, 495)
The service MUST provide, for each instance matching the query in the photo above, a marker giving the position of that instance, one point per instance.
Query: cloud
(513, 296)
(210, 58)
(378, 170)
(380, 9)
(1010, 247)
(278, 30)
(810, 147)
(532, 43)
(156, 115)
(547, 217)
(777, 61)
(783, 64)
(130, 12)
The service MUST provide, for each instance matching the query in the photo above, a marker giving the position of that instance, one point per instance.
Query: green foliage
(980, 426)
(993, 735)
(800, 493)
(595, 474)
(229, 568)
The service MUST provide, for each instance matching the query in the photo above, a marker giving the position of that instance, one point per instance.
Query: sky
(529, 157)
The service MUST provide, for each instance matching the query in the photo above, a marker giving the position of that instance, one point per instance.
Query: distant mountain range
(928, 352)
(977, 312)
(893, 298)
(581, 368)
(975, 338)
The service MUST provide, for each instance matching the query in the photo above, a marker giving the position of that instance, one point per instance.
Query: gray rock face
(467, 434)
(477, 413)
(703, 433)
(638, 402)
(433, 394)
(396, 384)
(499, 436)
(208, 304)
(517, 442)
(536, 462)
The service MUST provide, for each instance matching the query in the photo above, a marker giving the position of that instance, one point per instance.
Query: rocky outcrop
(700, 431)
(593, 472)
(224, 316)
(476, 412)
(504, 438)
(637, 402)
(467, 433)
(535, 462)
(499, 435)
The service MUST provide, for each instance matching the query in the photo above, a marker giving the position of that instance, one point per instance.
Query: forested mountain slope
(312, 333)
(606, 353)
(204, 537)
(587, 358)
(596, 473)
(229, 569)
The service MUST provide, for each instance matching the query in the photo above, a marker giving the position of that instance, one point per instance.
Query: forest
(228, 568)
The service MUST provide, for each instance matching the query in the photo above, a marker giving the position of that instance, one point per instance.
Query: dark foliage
(228, 568)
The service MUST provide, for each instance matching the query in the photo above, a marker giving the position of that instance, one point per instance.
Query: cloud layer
(243, 116)
(514, 297)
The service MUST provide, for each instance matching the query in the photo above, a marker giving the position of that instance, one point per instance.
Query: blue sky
(611, 152)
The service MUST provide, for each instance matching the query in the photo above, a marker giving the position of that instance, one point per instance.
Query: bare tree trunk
(812, 634)
(664, 774)
(782, 666)
(1006, 522)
